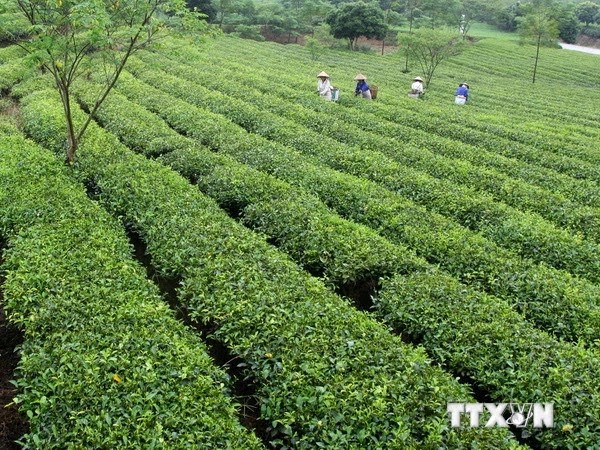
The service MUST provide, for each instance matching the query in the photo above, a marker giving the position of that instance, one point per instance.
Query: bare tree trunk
(72, 140)
(537, 55)
(410, 24)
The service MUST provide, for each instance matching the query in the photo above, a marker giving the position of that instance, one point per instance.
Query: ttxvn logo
(504, 414)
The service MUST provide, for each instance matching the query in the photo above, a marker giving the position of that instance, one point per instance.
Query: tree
(506, 18)
(568, 24)
(412, 10)
(588, 12)
(205, 7)
(71, 37)
(353, 20)
(431, 47)
(466, 12)
(439, 13)
(538, 25)
(223, 8)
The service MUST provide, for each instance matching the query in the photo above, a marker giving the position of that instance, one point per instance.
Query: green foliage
(439, 240)
(249, 32)
(71, 37)
(592, 31)
(588, 12)
(314, 47)
(475, 334)
(568, 27)
(430, 48)
(353, 20)
(326, 374)
(87, 377)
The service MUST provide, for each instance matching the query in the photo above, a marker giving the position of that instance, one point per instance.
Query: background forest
(294, 20)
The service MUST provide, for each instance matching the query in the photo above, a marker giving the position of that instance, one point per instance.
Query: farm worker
(324, 86)
(462, 93)
(362, 88)
(416, 89)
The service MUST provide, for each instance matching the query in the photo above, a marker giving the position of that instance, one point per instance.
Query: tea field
(234, 262)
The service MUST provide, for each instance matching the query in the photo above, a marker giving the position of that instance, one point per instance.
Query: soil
(13, 425)
(362, 42)
(587, 41)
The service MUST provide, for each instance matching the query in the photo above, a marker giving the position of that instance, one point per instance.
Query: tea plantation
(235, 263)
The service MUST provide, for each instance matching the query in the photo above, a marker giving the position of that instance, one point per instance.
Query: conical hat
(322, 74)
(359, 77)
(417, 79)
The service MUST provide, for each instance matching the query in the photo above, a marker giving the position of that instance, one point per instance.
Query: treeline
(288, 20)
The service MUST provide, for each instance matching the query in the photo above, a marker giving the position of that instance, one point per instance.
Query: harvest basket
(335, 94)
(373, 90)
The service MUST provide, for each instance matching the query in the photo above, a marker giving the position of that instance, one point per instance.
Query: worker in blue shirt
(462, 94)
(362, 88)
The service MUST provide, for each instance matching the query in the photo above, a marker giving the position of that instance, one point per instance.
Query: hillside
(234, 262)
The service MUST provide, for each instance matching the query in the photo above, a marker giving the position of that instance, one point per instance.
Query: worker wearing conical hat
(416, 89)
(362, 88)
(324, 86)
(461, 95)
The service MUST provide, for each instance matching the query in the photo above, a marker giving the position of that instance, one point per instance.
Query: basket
(335, 94)
(373, 90)
(460, 99)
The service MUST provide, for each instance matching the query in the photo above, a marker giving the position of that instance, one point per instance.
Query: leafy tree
(71, 37)
(588, 12)
(466, 12)
(439, 13)
(412, 11)
(507, 18)
(315, 48)
(568, 24)
(431, 47)
(206, 7)
(539, 26)
(353, 20)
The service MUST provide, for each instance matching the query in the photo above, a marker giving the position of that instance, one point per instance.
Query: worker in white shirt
(416, 89)
(324, 86)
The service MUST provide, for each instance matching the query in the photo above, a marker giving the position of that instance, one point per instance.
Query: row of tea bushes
(280, 64)
(104, 363)
(326, 375)
(556, 302)
(295, 221)
(523, 233)
(348, 127)
(477, 336)
(502, 363)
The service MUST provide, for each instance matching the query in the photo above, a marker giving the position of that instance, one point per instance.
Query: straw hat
(417, 79)
(465, 84)
(322, 74)
(359, 77)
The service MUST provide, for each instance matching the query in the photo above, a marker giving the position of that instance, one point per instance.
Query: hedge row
(557, 302)
(349, 128)
(581, 191)
(275, 207)
(104, 363)
(524, 233)
(281, 66)
(295, 221)
(479, 337)
(326, 375)
(11, 72)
